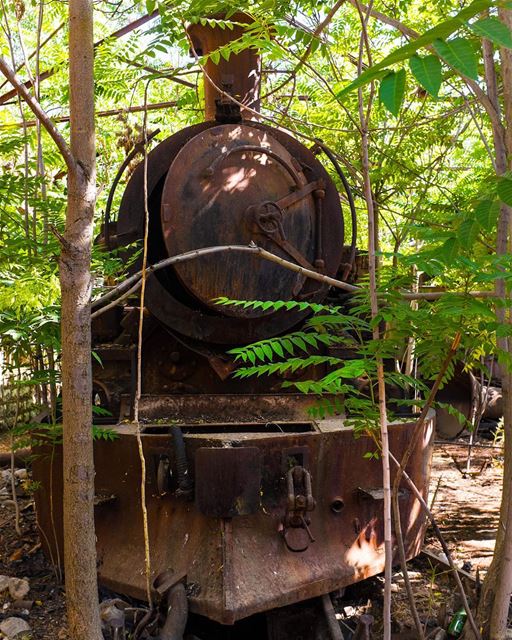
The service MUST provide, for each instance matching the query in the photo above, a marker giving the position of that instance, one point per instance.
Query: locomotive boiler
(256, 511)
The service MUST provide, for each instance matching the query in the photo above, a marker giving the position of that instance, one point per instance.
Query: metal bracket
(295, 527)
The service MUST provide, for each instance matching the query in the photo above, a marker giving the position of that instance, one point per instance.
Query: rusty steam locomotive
(253, 506)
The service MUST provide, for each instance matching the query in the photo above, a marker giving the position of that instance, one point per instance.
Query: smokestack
(239, 76)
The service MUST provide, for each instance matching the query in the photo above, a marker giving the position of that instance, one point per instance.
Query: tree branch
(37, 50)
(494, 116)
(117, 34)
(40, 114)
(373, 243)
(381, 17)
(120, 289)
(101, 114)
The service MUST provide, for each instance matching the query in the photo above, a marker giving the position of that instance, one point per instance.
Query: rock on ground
(18, 588)
(15, 628)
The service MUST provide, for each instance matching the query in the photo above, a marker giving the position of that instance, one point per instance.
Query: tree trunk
(75, 277)
(495, 598)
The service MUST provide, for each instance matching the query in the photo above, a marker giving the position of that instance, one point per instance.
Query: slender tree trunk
(75, 277)
(495, 598)
(503, 552)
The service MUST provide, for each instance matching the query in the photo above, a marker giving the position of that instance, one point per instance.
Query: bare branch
(37, 50)
(116, 34)
(382, 17)
(265, 255)
(40, 114)
(101, 114)
(494, 116)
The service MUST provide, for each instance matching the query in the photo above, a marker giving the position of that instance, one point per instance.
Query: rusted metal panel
(241, 565)
(228, 481)
(462, 394)
(209, 194)
(224, 408)
(166, 296)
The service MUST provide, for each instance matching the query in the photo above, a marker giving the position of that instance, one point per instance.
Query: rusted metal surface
(210, 192)
(241, 565)
(461, 393)
(228, 481)
(186, 380)
(491, 399)
(167, 297)
(239, 76)
(216, 409)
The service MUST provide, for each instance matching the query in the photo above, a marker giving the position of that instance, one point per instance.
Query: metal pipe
(138, 148)
(351, 204)
(185, 486)
(334, 627)
(177, 613)
(238, 76)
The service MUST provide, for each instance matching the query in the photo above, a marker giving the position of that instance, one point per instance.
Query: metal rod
(138, 148)
(351, 204)
(330, 616)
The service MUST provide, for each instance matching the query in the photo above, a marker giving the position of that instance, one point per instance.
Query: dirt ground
(466, 507)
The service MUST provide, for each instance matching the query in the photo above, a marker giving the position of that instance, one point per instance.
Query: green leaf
(486, 213)
(493, 29)
(450, 248)
(225, 53)
(287, 344)
(259, 353)
(468, 232)
(277, 348)
(150, 5)
(428, 72)
(440, 31)
(299, 342)
(215, 56)
(97, 358)
(504, 331)
(391, 91)
(505, 190)
(267, 349)
(310, 339)
(459, 54)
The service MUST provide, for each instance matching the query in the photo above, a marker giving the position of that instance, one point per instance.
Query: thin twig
(13, 478)
(117, 34)
(101, 114)
(37, 49)
(444, 546)
(374, 305)
(138, 391)
(482, 97)
(417, 431)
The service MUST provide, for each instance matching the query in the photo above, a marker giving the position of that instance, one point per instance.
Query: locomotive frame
(252, 505)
